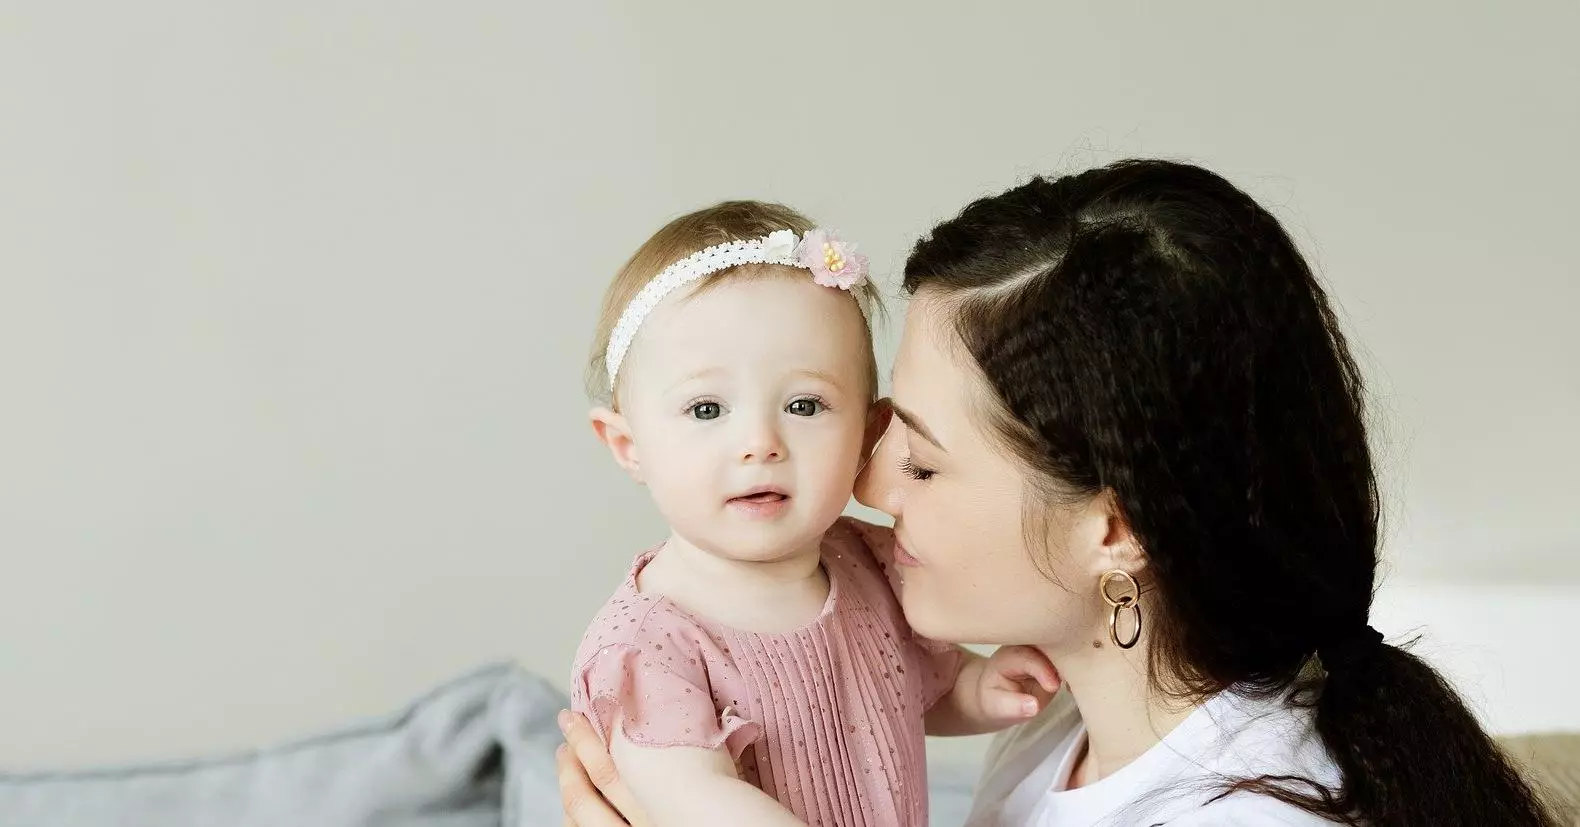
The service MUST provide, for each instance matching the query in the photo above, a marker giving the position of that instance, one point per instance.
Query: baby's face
(747, 404)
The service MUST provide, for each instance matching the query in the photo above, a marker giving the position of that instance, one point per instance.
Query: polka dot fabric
(826, 718)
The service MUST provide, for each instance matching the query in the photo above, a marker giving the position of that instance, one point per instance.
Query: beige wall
(294, 296)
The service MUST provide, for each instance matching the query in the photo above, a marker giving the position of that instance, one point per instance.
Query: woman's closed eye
(914, 471)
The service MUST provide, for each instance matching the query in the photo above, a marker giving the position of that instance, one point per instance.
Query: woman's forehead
(927, 378)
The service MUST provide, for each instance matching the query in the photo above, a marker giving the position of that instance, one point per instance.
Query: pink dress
(827, 718)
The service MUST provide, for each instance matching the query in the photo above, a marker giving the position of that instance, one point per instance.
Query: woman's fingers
(583, 805)
(590, 787)
(578, 798)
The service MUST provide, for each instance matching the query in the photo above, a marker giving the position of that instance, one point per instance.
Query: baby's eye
(805, 407)
(706, 410)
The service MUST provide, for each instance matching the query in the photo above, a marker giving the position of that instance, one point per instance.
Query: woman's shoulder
(1268, 736)
(1253, 737)
(1176, 782)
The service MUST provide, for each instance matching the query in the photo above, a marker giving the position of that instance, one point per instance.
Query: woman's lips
(903, 557)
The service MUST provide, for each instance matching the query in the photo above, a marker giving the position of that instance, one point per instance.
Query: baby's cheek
(828, 481)
(848, 447)
(845, 461)
(681, 482)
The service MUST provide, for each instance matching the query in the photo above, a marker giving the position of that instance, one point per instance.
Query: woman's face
(958, 501)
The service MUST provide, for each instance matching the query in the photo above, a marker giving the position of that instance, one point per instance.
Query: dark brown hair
(1151, 331)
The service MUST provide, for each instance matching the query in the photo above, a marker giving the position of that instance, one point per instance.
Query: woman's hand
(590, 790)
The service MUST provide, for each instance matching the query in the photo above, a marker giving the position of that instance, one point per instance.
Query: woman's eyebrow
(915, 424)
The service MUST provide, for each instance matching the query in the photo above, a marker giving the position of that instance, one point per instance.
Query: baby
(755, 668)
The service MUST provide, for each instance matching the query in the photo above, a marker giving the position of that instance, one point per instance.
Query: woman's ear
(614, 432)
(1106, 534)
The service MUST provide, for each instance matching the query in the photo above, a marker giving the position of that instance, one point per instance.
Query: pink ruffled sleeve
(657, 702)
(937, 663)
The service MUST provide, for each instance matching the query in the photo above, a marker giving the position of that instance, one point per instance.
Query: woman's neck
(1123, 715)
(769, 596)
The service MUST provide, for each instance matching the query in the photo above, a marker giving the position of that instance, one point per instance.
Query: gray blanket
(476, 752)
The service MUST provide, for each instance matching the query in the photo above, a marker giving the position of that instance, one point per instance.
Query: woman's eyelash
(914, 471)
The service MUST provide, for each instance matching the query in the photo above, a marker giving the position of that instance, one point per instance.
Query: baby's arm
(645, 689)
(686, 786)
(991, 693)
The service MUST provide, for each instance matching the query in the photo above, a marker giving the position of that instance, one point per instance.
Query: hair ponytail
(1411, 753)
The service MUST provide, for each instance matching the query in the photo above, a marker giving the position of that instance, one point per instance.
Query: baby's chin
(766, 543)
(769, 552)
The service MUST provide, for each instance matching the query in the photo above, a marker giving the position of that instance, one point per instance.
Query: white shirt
(1025, 781)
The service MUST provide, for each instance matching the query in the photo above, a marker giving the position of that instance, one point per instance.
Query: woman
(1129, 431)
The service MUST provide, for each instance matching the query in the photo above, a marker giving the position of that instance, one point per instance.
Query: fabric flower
(779, 245)
(833, 262)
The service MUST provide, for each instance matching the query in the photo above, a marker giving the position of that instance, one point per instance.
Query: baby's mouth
(762, 497)
(764, 500)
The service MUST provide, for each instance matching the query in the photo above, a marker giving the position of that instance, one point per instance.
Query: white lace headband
(832, 262)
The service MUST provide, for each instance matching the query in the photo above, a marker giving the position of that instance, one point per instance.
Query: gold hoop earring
(1129, 599)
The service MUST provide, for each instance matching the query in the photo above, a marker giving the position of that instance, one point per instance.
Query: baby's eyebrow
(820, 375)
(695, 375)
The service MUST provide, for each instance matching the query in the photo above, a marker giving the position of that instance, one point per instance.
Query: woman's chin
(926, 618)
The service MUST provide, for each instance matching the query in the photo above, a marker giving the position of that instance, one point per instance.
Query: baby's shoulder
(863, 552)
(644, 622)
(849, 531)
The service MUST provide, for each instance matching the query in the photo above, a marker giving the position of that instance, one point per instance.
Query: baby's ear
(878, 417)
(615, 433)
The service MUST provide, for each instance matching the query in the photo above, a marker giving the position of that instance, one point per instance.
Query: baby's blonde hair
(726, 221)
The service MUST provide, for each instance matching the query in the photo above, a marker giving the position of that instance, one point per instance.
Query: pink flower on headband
(834, 263)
